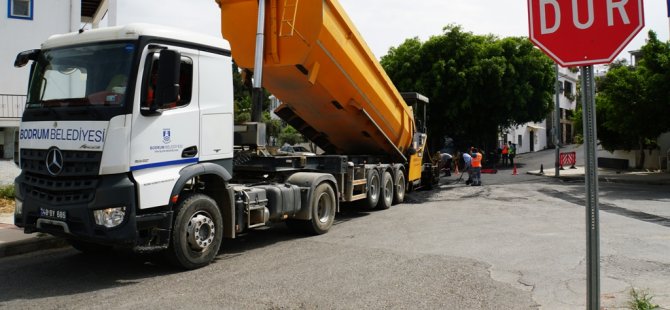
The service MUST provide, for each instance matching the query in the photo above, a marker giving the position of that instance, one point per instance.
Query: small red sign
(568, 159)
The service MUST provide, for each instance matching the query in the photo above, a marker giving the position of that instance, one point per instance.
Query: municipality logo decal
(166, 136)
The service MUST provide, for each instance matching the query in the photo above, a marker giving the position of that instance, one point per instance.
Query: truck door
(167, 139)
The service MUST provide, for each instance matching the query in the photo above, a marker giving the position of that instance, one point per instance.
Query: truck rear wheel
(399, 193)
(386, 198)
(323, 209)
(373, 188)
(197, 233)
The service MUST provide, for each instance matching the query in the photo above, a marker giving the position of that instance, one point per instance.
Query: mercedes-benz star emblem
(54, 161)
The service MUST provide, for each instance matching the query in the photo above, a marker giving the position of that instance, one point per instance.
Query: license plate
(56, 214)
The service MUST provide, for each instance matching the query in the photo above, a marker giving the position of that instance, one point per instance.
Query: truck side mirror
(24, 57)
(167, 86)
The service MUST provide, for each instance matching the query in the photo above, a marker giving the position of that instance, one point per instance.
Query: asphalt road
(518, 242)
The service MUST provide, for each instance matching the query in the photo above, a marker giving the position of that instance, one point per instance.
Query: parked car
(296, 150)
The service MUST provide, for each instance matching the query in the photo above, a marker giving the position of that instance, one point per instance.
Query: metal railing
(12, 106)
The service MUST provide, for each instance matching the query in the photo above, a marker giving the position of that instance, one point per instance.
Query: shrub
(641, 300)
(7, 191)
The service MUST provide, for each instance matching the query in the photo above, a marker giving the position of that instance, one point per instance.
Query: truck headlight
(18, 209)
(110, 217)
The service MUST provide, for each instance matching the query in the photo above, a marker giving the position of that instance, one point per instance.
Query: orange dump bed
(333, 89)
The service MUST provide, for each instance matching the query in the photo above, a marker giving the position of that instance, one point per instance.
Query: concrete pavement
(13, 241)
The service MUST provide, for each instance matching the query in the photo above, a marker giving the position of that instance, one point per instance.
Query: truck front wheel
(197, 233)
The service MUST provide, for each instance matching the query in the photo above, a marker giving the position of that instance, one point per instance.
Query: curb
(32, 244)
(606, 179)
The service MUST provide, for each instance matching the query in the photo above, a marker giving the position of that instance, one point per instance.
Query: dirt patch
(6, 205)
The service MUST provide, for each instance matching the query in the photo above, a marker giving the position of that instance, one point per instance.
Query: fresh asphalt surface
(518, 242)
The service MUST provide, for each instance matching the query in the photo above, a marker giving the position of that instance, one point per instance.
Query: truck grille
(76, 183)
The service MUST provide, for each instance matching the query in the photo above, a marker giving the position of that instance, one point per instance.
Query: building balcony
(11, 109)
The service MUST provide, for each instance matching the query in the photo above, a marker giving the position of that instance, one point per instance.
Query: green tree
(633, 102)
(477, 84)
(241, 97)
(290, 135)
(242, 103)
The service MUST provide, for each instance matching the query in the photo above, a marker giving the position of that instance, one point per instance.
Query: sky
(387, 23)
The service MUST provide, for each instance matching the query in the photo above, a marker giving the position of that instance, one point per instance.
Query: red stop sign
(584, 32)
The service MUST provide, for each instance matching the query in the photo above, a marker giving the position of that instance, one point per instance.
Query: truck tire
(386, 192)
(373, 188)
(197, 232)
(323, 207)
(400, 189)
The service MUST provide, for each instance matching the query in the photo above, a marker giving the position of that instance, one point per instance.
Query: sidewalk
(610, 176)
(13, 241)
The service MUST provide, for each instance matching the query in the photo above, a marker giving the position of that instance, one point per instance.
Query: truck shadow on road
(279, 232)
(64, 271)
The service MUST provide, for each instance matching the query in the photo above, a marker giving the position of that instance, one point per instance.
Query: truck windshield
(90, 75)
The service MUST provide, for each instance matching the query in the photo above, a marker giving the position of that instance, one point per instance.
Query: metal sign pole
(557, 124)
(591, 180)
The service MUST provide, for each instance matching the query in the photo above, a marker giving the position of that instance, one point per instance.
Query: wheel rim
(374, 187)
(401, 186)
(323, 207)
(388, 189)
(200, 231)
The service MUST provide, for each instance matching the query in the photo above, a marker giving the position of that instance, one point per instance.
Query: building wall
(201, 16)
(543, 132)
(664, 144)
(653, 160)
(523, 134)
(49, 17)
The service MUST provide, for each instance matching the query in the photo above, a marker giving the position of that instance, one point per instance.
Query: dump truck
(128, 138)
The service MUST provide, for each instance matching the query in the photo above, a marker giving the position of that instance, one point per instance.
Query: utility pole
(257, 92)
(557, 123)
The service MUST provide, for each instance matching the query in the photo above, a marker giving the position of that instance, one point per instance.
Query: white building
(533, 137)
(27, 24)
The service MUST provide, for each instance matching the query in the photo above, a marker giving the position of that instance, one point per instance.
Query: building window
(520, 141)
(21, 9)
(567, 88)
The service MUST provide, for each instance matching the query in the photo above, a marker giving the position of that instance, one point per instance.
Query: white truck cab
(109, 127)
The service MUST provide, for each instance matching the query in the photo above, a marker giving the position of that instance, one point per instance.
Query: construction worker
(477, 167)
(505, 154)
(445, 159)
(467, 166)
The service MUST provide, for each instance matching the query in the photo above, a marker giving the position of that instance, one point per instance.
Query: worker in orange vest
(476, 167)
(505, 154)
